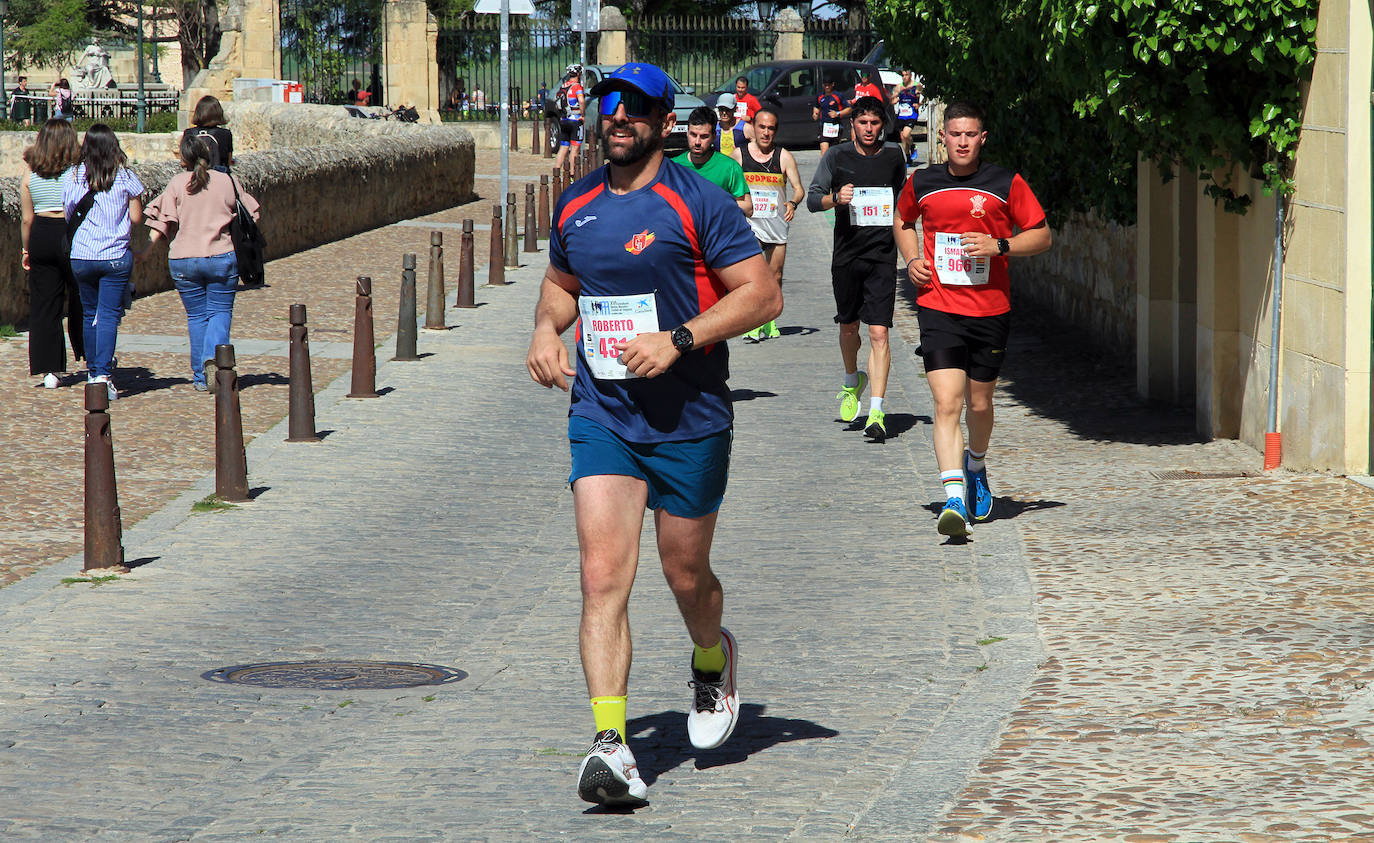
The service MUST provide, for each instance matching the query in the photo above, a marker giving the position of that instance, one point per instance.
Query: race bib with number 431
(607, 320)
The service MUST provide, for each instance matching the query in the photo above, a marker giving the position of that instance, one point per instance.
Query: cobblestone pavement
(1117, 656)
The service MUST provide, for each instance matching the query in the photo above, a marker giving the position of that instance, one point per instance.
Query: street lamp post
(141, 104)
(4, 97)
(157, 77)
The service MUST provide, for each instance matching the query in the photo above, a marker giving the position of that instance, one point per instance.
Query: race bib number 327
(607, 320)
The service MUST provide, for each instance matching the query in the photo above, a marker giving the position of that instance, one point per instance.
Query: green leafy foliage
(1075, 89)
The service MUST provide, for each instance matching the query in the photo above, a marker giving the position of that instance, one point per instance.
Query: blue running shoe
(978, 490)
(953, 519)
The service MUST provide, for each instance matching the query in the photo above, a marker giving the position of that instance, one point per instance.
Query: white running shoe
(50, 381)
(609, 775)
(715, 705)
(109, 385)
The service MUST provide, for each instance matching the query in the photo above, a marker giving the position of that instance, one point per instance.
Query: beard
(640, 149)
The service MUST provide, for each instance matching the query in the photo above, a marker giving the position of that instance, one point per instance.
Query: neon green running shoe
(770, 330)
(849, 399)
(874, 427)
(752, 336)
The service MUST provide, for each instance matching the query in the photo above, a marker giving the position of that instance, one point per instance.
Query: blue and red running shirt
(993, 200)
(666, 238)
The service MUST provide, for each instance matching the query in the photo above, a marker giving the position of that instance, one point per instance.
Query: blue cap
(646, 78)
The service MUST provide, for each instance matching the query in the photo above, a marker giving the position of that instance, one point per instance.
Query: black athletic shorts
(976, 344)
(569, 132)
(865, 291)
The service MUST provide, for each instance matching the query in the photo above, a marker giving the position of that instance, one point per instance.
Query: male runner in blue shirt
(658, 268)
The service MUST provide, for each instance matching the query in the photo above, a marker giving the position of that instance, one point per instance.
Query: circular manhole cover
(336, 676)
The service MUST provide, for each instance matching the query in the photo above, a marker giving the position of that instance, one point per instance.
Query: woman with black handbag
(52, 290)
(195, 213)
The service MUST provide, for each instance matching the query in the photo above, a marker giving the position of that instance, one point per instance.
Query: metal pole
(142, 106)
(4, 97)
(157, 77)
(1272, 446)
(505, 96)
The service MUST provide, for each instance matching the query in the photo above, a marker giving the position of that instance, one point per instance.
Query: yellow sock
(709, 659)
(610, 714)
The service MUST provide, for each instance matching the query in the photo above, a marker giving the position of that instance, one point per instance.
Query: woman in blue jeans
(194, 213)
(102, 201)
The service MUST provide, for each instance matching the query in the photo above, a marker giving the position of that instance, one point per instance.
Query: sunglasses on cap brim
(637, 103)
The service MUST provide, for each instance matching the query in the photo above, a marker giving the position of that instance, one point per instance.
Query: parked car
(791, 87)
(684, 100)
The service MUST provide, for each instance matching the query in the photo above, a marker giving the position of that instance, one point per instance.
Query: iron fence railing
(328, 46)
(469, 58)
(836, 40)
(701, 53)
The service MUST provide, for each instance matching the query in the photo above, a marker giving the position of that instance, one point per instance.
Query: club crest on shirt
(639, 242)
(977, 200)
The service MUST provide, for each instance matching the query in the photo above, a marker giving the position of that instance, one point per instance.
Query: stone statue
(92, 71)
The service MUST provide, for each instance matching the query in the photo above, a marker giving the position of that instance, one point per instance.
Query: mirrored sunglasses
(637, 103)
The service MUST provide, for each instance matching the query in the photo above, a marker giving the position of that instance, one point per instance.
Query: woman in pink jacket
(194, 213)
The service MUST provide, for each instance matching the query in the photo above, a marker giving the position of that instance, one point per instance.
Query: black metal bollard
(531, 221)
(496, 263)
(434, 298)
(512, 246)
(544, 207)
(104, 528)
(231, 460)
(465, 271)
(364, 383)
(301, 426)
(405, 320)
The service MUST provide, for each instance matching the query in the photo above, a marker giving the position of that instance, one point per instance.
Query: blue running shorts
(686, 479)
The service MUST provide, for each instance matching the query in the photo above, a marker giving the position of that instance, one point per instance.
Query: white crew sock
(876, 404)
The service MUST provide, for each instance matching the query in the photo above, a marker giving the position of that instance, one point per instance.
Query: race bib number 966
(955, 267)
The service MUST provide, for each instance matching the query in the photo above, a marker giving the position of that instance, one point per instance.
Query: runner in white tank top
(768, 169)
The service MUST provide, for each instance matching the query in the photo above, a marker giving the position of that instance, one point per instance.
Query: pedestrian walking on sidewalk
(974, 215)
(860, 180)
(194, 213)
(661, 268)
(43, 233)
(101, 200)
(207, 123)
(768, 169)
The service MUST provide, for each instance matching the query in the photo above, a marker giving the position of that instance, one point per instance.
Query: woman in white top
(43, 229)
(102, 261)
(194, 213)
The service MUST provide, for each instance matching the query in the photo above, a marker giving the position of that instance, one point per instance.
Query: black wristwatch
(683, 339)
(1003, 245)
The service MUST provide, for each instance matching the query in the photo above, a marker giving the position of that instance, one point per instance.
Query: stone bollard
(104, 528)
(231, 460)
(531, 221)
(534, 135)
(301, 426)
(496, 263)
(405, 319)
(544, 207)
(465, 271)
(364, 351)
(512, 245)
(557, 186)
(434, 298)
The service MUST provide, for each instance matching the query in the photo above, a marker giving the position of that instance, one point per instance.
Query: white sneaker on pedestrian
(609, 775)
(715, 705)
(50, 381)
(109, 385)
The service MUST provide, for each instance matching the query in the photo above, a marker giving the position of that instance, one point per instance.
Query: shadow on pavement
(750, 394)
(1057, 375)
(1003, 509)
(665, 745)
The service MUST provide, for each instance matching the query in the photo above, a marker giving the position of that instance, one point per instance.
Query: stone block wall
(320, 181)
(1086, 280)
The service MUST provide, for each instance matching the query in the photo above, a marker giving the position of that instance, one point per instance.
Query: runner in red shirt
(867, 88)
(746, 104)
(970, 214)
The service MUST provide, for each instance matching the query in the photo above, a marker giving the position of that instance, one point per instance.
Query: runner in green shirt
(718, 169)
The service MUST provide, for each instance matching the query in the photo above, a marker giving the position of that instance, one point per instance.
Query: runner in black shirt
(860, 180)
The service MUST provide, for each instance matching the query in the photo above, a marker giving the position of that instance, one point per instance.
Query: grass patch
(345, 703)
(94, 581)
(7, 331)
(980, 668)
(983, 642)
(212, 503)
(429, 698)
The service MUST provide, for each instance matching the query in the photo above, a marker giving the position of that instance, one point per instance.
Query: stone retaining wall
(325, 178)
(1086, 281)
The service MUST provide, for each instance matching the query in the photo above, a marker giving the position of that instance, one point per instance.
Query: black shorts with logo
(865, 291)
(976, 344)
